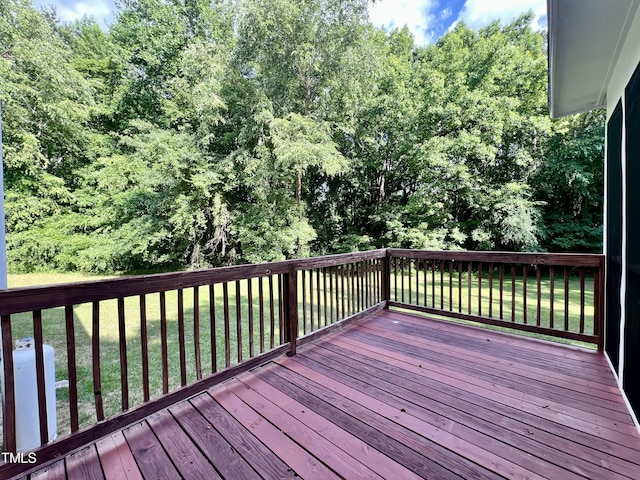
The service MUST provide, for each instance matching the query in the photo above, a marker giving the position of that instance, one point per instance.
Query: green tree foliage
(570, 184)
(194, 133)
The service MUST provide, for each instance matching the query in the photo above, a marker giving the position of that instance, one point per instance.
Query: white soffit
(585, 39)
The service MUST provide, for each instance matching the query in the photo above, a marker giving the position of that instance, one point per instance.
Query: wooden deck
(395, 396)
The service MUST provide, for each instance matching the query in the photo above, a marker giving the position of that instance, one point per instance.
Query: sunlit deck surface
(395, 396)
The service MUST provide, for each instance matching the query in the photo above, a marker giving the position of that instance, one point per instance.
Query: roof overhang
(585, 40)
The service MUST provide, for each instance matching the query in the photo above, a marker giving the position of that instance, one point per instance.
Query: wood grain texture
(116, 458)
(150, 456)
(84, 464)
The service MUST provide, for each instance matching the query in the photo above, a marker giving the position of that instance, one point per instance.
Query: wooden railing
(559, 295)
(126, 341)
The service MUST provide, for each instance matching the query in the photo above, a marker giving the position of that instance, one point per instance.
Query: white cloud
(480, 13)
(69, 10)
(415, 14)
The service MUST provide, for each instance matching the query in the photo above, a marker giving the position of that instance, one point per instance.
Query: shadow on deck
(394, 396)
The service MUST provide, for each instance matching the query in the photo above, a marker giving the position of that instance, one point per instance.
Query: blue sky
(428, 20)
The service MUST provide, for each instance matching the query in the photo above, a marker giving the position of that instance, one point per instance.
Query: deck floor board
(396, 395)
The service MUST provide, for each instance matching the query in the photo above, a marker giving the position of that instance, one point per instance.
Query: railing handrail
(539, 258)
(27, 299)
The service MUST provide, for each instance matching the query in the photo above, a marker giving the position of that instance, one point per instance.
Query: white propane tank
(26, 392)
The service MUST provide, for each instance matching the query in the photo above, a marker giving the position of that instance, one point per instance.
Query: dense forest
(198, 133)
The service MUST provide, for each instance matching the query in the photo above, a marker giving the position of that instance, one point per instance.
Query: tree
(570, 183)
(46, 106)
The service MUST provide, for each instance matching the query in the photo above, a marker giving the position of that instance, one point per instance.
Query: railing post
(9, 400)
(598, 303)
(290, 294)
(385, 284)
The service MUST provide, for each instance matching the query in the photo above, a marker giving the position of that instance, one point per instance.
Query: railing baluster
(227, 327)
(581, 299)
(124, 377)
(95, 360)
(363, 285)
(367, 284)
(409, 277)
(373, 276)
(144, 348)
(355, 284)
(539, 292)
(319, 305)
(311, 299)
(304, 302)
(40, 374)
(212, 325)
(513, 292)
(566, 298)
(402, 277)
(324, 293)
(181, 339)
(450, 285)
(459, 287)
(196, 331)
(469, 272)
(261, 311)
(250, 314)
(362, 276)
(524, 292)
(163, 343)
(374, 282)
(272, 321)
(343, 296)
(417, 281)
(425, 265)
(353, 288)
(239, 321)
(281, 307)
(9, 403)
(551, 295)
(480, 288)
(331, 292)
(491, 290)
(336, 271)
(501, 291)
(71, 368)
(441, 284)
(395, 278)
(433, 283)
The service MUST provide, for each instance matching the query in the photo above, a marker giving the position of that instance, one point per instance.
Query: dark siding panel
(614, 234)
(631, 380)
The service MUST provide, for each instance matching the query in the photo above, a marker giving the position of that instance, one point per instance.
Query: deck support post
(290, 293)
(9, 397)
(598, 304)
(385, 284)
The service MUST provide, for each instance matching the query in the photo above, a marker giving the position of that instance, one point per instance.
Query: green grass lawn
(55, 330)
